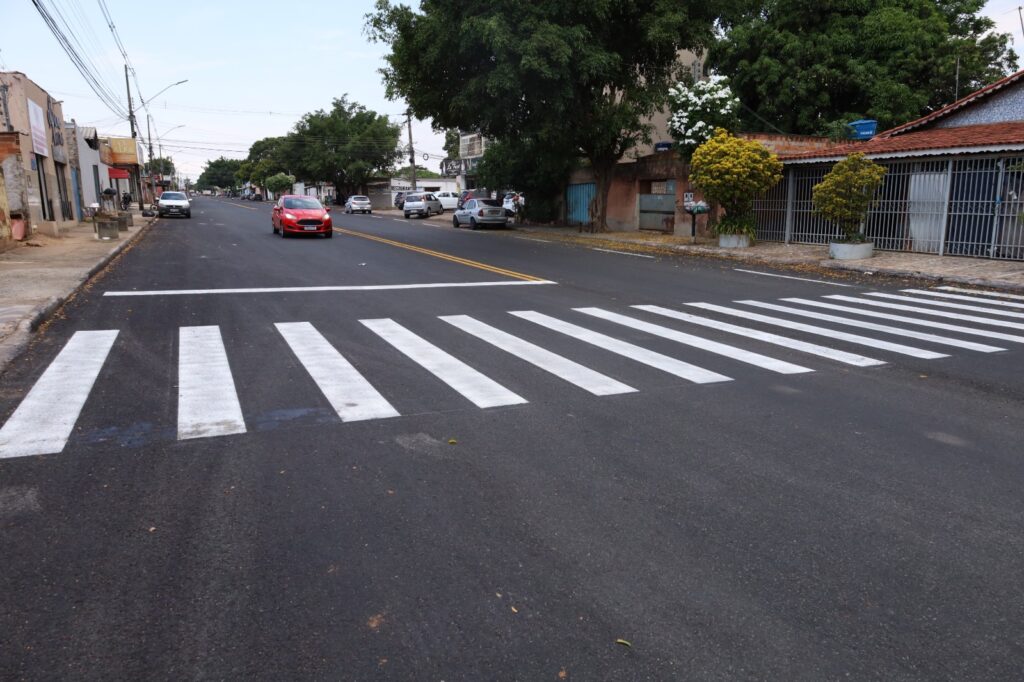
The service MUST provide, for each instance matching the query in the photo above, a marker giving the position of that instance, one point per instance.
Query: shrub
(846, 192)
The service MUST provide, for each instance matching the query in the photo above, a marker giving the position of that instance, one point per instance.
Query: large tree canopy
(218, 173)
(587, 72)
(802, 65)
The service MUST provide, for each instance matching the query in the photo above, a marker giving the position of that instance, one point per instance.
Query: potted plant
(732, 171)
(843, 197)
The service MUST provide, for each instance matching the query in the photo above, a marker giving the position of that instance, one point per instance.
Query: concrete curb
(12, 346)
(928, 276)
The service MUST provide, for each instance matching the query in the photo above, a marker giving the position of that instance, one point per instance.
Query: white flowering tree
(698, 109)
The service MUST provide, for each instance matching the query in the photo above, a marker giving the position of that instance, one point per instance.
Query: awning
(118, 174)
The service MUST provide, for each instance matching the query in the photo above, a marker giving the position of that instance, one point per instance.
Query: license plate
(310, 227)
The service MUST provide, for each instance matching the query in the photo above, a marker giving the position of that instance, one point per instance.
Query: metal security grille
(955, 206)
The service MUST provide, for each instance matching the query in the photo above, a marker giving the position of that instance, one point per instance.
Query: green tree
(421, 172)
(732, 171)
(537, 168)
(160, 166)
(451, 143)
(219, 172)
(698, 110)
(591, 73)
(280, 183)
(801, 65)
(845, 194)
(346, 146)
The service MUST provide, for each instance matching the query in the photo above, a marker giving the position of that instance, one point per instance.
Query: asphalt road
(287, 483)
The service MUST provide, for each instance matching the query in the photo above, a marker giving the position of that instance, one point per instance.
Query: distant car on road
(449, 200)
(358, 204)
(476, 212)
(173, 203)
(294, 213)
(423, 204)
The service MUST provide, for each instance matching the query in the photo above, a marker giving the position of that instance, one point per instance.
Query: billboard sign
(37, 122)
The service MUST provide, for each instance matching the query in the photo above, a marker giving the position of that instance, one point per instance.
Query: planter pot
(733, 241)
(126, 214)
(18, 230)
(844, 251)
(122, 223)
(106, 229)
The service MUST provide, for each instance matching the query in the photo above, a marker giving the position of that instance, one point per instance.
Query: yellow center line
(443, 256)
(251, 208)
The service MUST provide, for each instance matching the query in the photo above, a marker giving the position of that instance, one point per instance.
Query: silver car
(480, 212)
(422, 204)
(358, 204)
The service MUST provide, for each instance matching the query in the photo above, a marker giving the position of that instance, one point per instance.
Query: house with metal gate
(954, 186)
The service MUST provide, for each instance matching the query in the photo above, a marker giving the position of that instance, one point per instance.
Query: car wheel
(273, 229)
(406, 216)
(189, 215)
(369, 213)
(283, 233)
(329, 234)
(472, 223)
(455, 222)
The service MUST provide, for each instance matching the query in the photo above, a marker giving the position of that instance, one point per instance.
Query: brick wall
(792, 144)
(9, 144)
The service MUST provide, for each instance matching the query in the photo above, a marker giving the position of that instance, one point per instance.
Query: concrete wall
(1005, 105)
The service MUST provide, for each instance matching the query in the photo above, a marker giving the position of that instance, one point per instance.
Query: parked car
(294, 213)
(477, 212)
(468, 194)
(173, 203)
(400, 200)
(423, 204)
(512, 202)
(449, 200)
(259, 197)
(358, 204)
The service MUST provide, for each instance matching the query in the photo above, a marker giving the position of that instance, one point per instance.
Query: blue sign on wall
(662, 146)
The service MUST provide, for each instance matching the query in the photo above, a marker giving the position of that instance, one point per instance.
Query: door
(578, 198)
(926, 202)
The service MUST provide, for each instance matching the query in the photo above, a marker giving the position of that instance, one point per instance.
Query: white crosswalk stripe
(822, 331)
(351, 396)
(997, 294)
(861, 324)
(945, 304)
(928, 311)
(474, 386)
(958, 297)
(767, 337)
(573, 372)
(207, 401)
(44, 420)
(970, 331)
(647, 357)
(756, 359)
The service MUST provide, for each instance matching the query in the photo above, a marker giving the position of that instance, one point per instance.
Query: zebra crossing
(843, 329)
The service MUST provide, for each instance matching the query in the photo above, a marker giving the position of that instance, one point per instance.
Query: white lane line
(207, 400)
(650, 358)
(822, 331)
(909, 320)
(756, 359)
(531, 239)
(784, 341)
(286, 290)
(944, 304)
(862, 324)
(44, 420)
(564, 368)
(351, 396)
(800, 279)
(477, 388)
(1014, 297)
(401, 220)
(957, 297)
(928, 311)
(621, 253)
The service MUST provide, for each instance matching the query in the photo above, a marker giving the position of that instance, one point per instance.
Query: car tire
(284, 235)
(472, 223)
(369, 213)
(406, 216)
(189, 215)
(455, 222)
(328, 235)
(273, 229)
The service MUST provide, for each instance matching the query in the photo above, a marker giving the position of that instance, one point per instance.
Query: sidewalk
(999, 274)
(40, 273)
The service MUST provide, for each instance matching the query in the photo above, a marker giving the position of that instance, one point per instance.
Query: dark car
(400, 200)
(257, 197)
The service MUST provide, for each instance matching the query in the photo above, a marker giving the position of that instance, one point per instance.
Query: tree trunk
(604, 172)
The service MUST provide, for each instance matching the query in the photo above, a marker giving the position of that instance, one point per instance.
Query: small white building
(424, 185)
(95, 175)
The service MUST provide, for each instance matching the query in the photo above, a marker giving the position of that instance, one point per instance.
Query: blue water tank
(863, 129)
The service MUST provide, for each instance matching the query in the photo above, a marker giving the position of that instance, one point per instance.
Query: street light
(145, 105)
(146, 102)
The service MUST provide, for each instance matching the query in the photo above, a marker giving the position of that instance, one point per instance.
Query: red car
(294, 213)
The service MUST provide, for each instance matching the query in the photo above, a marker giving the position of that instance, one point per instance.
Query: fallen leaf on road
(452, 441)
(375, 621)
(514, 610)
(624, 643)
(152, 529)
(562, 674)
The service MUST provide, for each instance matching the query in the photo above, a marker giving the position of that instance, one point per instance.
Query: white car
(173, 203)
(423, 204)
(358, 204)
(512, 202)
(449, 200)
(477, 212)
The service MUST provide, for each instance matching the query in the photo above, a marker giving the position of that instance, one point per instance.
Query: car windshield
(414, 197)
(172, 196)
(302, 203)
(490, 202)
(360, 198)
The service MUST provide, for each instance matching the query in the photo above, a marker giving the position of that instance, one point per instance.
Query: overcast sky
(252, 70)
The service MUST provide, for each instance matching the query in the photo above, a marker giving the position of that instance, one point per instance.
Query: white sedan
(358, 204)
(449, 200)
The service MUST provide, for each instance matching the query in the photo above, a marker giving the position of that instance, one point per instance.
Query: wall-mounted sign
(662, 146)
(37, 122)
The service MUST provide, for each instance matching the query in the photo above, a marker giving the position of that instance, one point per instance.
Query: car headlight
(289, 216)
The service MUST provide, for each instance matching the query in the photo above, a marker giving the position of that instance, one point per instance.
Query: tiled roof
(997, 136)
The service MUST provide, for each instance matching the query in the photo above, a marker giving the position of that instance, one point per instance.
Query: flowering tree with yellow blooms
(732, 171)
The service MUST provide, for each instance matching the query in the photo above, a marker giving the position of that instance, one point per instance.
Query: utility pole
(149, 137)
(131, 122)
(412, 152)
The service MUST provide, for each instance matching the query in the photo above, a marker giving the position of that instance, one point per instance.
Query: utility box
(864, 129)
